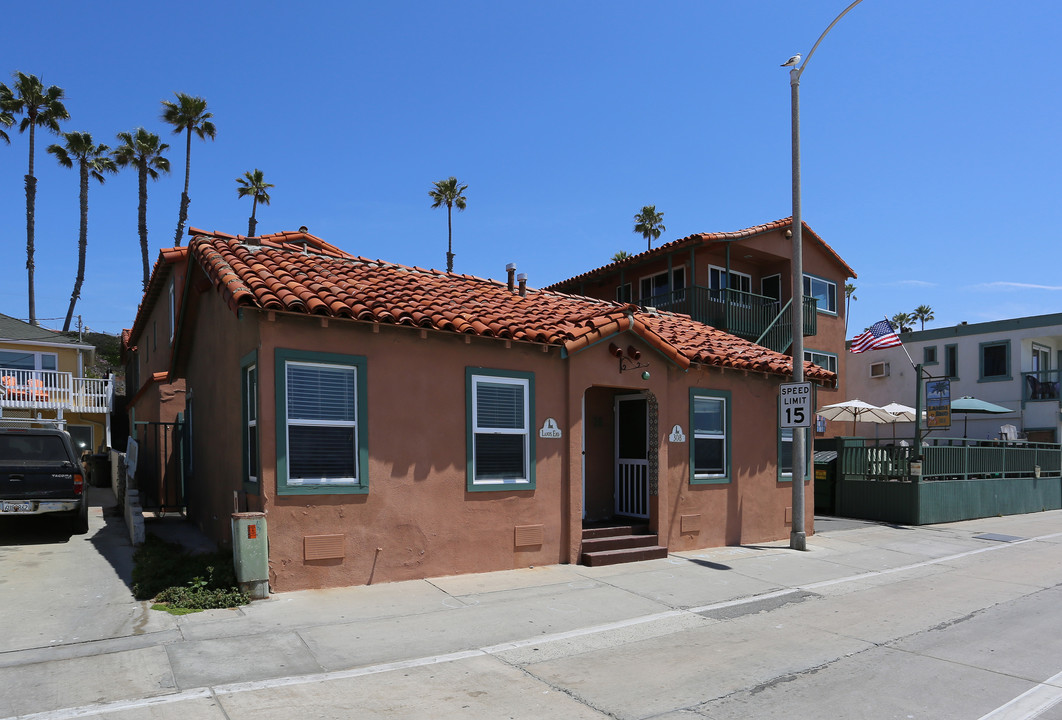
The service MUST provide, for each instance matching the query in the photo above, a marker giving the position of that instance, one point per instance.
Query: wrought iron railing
(754, 317)
(1040, 385)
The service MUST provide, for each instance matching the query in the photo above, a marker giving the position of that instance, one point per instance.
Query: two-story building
(42, 376)
(739, 282)
(1011, 363)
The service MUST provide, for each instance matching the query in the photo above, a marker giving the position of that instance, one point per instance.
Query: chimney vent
(510, 269)
(522, 279)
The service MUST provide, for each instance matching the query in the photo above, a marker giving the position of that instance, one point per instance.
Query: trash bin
(99, 467)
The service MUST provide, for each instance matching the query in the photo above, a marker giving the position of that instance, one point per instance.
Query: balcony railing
(753, 317)
(51, 390)
(1040, 385)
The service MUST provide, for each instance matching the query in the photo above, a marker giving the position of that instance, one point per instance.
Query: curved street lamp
(798, 537)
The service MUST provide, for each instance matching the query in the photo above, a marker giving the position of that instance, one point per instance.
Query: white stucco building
(1012, 363)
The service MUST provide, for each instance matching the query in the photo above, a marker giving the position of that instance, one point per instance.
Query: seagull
(791, 61)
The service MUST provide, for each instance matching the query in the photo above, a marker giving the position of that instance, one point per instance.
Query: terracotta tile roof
(277, 276)
(703, 239)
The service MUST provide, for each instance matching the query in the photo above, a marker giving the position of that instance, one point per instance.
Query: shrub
(166, 572)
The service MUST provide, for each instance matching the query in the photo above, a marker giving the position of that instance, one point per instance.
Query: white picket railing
(51, 390)
(632, 488)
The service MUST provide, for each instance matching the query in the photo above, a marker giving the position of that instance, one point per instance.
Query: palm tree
(142, 150)
(253, 184)
(188, 115)
(42, 107)
(92, 161)
(6, 120)
(451, 194)
(650, 224)
(849, 296)
(922, 313)
(902, 322)
(621, 255)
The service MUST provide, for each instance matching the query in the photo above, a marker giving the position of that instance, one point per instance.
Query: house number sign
(676, 435)
(550, 429)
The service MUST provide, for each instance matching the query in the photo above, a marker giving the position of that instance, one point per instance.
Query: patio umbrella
(856, 411)
(968, 405)
(900, 413)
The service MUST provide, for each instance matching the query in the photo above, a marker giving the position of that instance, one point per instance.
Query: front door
(632, 456)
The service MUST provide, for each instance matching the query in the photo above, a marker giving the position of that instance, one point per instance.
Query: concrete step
(626, 555)
(618, 542)
(614, 530)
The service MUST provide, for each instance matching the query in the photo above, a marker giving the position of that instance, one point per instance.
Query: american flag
(879, 335)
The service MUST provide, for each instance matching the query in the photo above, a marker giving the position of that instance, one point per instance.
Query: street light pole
(798, 539)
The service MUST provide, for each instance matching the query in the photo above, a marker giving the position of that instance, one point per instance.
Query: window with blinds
(322, 428)
(709, 436)
(500, 427)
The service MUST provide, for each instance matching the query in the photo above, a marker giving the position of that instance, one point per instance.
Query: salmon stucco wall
(417, 518)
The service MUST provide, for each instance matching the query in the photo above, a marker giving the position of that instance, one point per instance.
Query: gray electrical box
(250, 553)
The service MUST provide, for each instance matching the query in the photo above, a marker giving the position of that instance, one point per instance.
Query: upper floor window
(825, 291)
(623, 293)
(929, 355)
(28, 360)
(173, 314)
(719, 279)
(951, 361)
(826, 361)
(995, 361)
(657, 288)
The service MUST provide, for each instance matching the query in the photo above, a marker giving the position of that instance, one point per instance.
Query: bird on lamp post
(791, 61)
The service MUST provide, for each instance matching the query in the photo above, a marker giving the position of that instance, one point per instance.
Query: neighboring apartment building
(740, 282)
(42, 376)
(1012, 363)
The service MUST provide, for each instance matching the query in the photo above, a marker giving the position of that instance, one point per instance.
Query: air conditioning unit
(879, 370)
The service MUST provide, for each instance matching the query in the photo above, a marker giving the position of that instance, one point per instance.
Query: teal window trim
(284, 356)
(927, 351)
(788, 476)
(724, 396)
(822, 308)
(833, 369)
(951, 348)
(249, 363)
(1006, 377)
(473, 375)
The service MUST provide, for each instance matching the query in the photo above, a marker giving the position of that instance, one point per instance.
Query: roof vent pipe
(511, 270)
(522, 279)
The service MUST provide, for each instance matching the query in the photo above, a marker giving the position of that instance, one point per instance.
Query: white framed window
(500, 410)
(826, 361)
(173, 313)
(719, 279)
(656, 288)
(28, 360)
(250, 410)
(879, 369)
(321, 406)
(709, 436)
(825, 291)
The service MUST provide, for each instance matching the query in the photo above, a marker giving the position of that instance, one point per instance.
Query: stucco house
(43, 375)
(394, 422)
(1012, 363)
(740, 282)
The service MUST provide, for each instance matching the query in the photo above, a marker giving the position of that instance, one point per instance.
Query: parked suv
(39, 473)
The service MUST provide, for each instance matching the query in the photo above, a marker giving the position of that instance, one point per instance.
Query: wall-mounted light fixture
(629, 360)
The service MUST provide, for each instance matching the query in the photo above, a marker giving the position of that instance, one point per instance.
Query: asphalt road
(950, 621)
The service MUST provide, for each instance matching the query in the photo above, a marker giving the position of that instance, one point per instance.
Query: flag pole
(902, 345)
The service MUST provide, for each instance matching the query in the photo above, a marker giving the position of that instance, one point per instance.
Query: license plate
(16, 507)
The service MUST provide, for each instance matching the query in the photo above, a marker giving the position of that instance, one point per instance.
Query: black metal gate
(160, 466)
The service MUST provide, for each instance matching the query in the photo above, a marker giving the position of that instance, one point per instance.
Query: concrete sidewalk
(188, 665)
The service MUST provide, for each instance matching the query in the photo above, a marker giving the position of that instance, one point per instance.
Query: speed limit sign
(794, 405)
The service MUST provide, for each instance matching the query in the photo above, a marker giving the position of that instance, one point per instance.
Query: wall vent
(529, 535)
(323, 547)
(689, 524)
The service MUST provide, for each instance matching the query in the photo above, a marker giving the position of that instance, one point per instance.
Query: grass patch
(165, 572)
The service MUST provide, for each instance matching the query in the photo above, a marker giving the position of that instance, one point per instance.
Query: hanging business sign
(938, 403)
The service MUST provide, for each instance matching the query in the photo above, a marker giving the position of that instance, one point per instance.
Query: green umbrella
(967, 405)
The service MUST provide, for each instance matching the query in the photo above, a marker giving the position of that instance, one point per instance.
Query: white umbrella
(900, 413)
(856, 411)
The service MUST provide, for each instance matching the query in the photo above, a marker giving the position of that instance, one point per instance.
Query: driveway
(69, 588)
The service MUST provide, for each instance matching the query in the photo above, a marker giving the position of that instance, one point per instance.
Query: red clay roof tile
(314, 277)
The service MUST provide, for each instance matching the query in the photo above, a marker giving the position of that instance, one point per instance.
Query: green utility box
(250, 553)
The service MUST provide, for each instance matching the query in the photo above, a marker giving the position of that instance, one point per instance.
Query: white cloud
(1002, 285)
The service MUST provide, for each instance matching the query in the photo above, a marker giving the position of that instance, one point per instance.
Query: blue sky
(930, 142)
